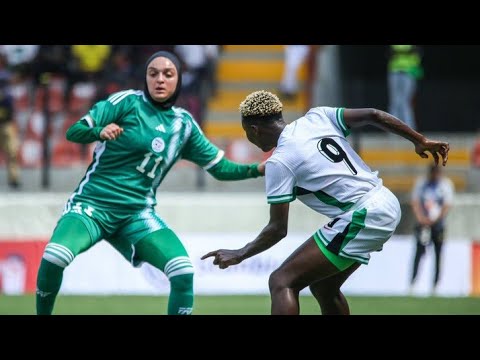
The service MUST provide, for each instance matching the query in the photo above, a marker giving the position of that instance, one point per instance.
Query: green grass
(239, 305)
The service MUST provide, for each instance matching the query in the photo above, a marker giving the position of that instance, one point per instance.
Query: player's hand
(224, 258)
(261, 168)
(111, 132)
(435, 148)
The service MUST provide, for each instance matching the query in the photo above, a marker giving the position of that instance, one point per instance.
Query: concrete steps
(243, 69)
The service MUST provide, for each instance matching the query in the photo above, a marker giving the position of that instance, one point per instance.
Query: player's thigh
(146, 238)
(332, 284)
(160, 247)
(135, 227)
(306, 265)
(75, 233)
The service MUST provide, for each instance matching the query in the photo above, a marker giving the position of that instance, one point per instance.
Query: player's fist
(111, 132)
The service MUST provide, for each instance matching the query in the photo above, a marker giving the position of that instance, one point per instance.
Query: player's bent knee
(179, 271)
(277, 280)
(58, 254)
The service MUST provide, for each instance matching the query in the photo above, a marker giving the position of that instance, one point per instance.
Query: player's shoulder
(125, 96)
(183, 113)
(323, 113)
(187, 118)
(322, 110)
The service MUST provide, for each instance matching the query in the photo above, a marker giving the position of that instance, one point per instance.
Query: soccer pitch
(239, 305)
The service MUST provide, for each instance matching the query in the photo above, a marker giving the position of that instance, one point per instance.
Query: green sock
(180, 301)
(49, 280)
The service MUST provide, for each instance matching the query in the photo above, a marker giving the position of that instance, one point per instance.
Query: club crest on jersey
(158, 144)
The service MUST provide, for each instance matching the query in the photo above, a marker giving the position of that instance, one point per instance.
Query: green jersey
(126, 172)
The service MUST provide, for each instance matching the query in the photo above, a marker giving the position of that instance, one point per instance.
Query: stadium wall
(209, 221)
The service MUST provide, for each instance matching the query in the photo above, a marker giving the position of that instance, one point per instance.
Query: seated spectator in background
(87, 64)
(20, 59)
(118, 75)
(8, 131)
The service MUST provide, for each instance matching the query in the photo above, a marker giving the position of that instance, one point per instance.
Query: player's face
(162, 79)
(253, 133)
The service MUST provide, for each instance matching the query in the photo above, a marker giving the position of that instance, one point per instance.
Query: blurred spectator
(432, 198)
(195, 85)
(474, 173)
(404, 70)
(20, 59)
(213, 53)
(194, 60)
(8, 131)
(51, 59)
(87, 65)
(118, 75)
(294, 57)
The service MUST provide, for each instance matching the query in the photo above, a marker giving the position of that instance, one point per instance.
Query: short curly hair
(260, 104)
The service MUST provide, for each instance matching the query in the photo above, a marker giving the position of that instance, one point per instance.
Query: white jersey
(315, 163)
(433, 195)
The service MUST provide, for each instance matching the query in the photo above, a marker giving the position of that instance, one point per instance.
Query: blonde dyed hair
(261, 103)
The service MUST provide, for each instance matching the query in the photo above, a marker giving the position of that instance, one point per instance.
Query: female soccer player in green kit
(141, 135)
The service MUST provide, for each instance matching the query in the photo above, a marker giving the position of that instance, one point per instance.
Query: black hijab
(172, 99)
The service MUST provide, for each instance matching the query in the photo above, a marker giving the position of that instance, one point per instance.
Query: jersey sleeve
(109, 111)
(280, 183)
(200, 150)
(335, 115)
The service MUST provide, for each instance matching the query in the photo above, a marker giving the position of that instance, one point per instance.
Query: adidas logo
(161, 128)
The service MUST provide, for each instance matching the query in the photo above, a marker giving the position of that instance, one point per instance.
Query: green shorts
(121, 228)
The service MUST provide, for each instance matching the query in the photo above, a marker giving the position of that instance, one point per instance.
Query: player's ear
(254, 128)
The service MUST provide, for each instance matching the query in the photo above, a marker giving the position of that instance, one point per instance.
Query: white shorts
(364, 228)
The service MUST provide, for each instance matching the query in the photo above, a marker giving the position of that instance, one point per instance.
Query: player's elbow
(279, 230)
(373, 113)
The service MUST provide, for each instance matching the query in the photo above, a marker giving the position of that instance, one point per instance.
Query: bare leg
(305, 266)
(328, 294)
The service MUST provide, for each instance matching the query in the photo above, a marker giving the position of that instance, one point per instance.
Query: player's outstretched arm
(227, 170)
(275, 231)
(82, 133)
(383, 120)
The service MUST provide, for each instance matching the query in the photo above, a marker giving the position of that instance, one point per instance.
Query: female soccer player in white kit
(314, 162)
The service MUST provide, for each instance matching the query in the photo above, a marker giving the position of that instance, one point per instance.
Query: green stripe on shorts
(341, 263)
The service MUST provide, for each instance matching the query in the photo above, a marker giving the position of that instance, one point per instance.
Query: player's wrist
(97, 130)
(253, 170)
